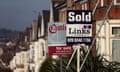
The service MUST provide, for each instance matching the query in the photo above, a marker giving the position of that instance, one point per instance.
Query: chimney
(51, 13)
(34, 29)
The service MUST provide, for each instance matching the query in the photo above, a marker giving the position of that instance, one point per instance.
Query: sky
(19, 14)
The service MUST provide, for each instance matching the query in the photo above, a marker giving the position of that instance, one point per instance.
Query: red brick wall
(114, 12)
(92, 4)
(100, 13)
(77, 6)
(94, 52)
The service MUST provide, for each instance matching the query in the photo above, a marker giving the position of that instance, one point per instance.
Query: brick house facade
(106, 41)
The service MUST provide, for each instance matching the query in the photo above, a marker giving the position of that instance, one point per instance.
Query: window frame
(117, 25)
(111, 51)
(101, 3)
(84, 6)
(116, 3)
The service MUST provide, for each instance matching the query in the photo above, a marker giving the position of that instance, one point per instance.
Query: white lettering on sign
(78, 39)
(79, 30)
(73, 17)
(70, 40)
(58, 48)
(66, 48)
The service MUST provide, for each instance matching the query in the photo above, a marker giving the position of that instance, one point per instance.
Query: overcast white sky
(18, 14)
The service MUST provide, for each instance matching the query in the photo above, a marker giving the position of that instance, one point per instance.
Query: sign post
(78, 59)
(61, 69)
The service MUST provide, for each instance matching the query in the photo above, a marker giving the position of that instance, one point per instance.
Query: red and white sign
(53, 28)
(56, 33)
(60, 50)
(57, 39)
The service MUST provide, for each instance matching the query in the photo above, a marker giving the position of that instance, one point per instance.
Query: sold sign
(79, 27)
(79, 17)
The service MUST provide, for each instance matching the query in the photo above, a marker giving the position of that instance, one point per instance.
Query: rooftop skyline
(19, 14)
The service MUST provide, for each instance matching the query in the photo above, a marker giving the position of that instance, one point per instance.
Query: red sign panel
(60, 50)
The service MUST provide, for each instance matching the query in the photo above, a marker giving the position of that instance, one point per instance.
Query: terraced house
(38, 41)
(32, 49)
(106, 15)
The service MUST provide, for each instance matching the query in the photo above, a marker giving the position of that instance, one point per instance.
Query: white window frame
(63, 14)
(116, 25)
(84, 6)
(111, 49)
(116, 3)
(102, 3)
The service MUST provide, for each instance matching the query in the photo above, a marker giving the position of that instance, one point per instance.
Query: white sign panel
(79, 30)
(56, 33)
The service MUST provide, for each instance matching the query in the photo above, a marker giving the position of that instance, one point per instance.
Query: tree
(93, 63)
(49, 65)
(2, 69)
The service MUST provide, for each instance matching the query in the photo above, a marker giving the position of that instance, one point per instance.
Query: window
(102, 3)
(62, 15)
(39, 32)
(84, 6)
(43, 49)
(116, 50)
(116, 31)
(33, 53)
(22, 58)
(116, 2)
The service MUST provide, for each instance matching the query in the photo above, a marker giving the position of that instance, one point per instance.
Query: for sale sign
(56, 33)
(57, 39)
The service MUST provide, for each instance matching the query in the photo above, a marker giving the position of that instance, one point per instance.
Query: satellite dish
(1, 51)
